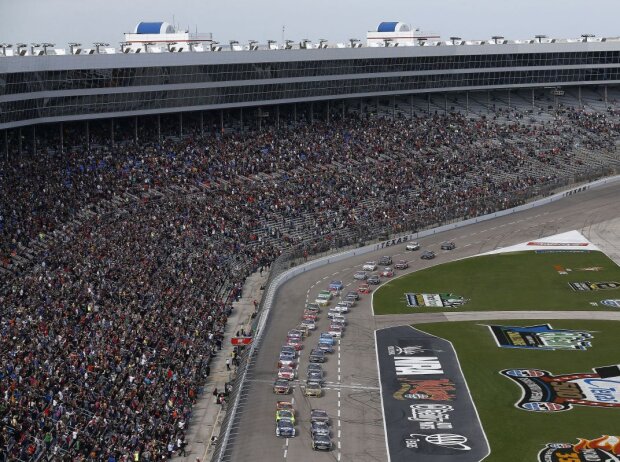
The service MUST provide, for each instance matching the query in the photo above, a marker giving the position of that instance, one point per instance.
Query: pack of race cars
(338, 304)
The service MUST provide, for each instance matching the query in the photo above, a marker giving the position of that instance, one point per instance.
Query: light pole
(45, 46)
(496, 38)
(74, 45)
(455, 39)
(101, 44)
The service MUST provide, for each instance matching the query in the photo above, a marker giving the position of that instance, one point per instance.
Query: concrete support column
(87, 135)
(158, 128)
(62, 138)
(428, 103)
(19, 141)
(241, 118)
(312, 112)
(202, 123)
(278, 116)
(34, 139)
(411, 105)
(509, 107)
(112, 132)
(295, 112)
(6, 144)
(135, 127)
(533, 100)
(467, 102)
(327, 110)
(180, 125)
(445, 100)
(222, 120)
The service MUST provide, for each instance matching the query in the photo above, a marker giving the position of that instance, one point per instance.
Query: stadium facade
(41, 88)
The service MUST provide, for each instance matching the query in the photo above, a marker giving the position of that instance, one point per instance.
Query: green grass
(514, 281)
(517, 435)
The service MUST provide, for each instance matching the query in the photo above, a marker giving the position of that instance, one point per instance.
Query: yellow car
(285, 414)
(313, 390)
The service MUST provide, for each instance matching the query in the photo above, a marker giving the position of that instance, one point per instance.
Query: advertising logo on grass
(444, 300)
(603, 449)
(590, 286)
(544, 392)
(612, 303)
(540, 337)
(435, 390)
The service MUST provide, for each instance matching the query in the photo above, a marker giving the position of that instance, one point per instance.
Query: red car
(309, 315)
(387, 272)
(295, 343)
(364, 289)
(286, 373)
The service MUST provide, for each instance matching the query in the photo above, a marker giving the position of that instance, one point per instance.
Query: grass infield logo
(603, 449)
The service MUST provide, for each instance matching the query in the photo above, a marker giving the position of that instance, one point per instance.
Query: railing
(336, 246)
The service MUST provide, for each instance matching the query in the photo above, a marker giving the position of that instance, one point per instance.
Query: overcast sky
(87, 21)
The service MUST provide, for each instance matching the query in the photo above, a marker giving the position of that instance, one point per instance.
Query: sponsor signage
(395, 241)
(544, 392)
(603, 449)
(541, 337)
(429, 414)
(590, 286)
(241, 340)
(612, 303)
(444, 300)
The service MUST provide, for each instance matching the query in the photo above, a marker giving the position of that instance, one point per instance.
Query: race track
(352, 390)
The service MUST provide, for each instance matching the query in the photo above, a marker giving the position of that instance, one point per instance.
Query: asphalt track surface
(352, 386)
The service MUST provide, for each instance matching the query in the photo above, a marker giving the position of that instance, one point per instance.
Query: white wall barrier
(293, 272)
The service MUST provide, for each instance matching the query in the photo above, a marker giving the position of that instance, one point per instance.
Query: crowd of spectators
(118, 265)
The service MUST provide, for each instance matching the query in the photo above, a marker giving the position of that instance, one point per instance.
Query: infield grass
(516, 435)
(511, 281)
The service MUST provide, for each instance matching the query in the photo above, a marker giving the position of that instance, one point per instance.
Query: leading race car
(336, 286)
(401, 265)
(285, 429)
(369, 266)
(448, 245)
(386, 272)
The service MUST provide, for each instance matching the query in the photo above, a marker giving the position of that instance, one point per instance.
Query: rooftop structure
(394, 33)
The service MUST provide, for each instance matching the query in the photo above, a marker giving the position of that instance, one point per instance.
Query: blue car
(336, 286)
(285, 429)
(326, 338)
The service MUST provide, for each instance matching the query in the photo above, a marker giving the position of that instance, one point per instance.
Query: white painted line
(333, 274)
(348, 284)
(338, 377)
(339, 422)
(338, 433)
(338, 394)
(338, 444)
(286, 450)
(338, 457)
(338, 414)
(338, 406)
(287, 442)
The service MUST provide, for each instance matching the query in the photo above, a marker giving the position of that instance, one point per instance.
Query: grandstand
(138, 190)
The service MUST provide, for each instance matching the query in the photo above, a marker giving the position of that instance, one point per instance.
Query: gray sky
(87, 21)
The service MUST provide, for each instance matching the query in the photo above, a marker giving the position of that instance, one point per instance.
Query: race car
(364, 289)
(386, 272)
(304, 330)
(319, 415)
(351, 300)
(326, 338)
(309, 315)
(309, 324)
(286, 373)
(401, 265)
(325, 347)
(352, 294)
(287, 359)
(385, 260)
(285, 414)
(315, 378)
(281, 387)
(336, 286)
(314, 367)
(339, 308)
(313, 307)
(448, 245)
(427, 255)
(320, 428)
(338, 320)
(316, 356)
(335, 330)
(294, 333)
(285, 429)
(313, 390)
(281, 405)
(412, 246)
(321, 443)
(369, 266)
(360, 275)
(374, 280)
(323, 298)
(296, 343)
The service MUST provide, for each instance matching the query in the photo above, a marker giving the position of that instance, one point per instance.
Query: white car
(360, 276)
(309, 324)
(412, 246)
(370, 266)
(340, 308)
(335, 331)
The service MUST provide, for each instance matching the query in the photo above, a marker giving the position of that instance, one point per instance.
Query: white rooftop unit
(162, 33)
(394, 33)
